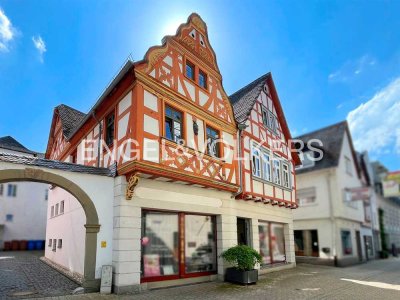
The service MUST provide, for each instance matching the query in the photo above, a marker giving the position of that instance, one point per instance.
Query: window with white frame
(285, 175)
(50, 242)
(12, 190)
(349, 169)
(306, 196)
(277, 170)
(46, 194)
(266, 166)
(269, 119)
(59, 243)
(52, 212)
(54, 245)
(1, 189)
(62, 207)
(256, 162)
(56, 211)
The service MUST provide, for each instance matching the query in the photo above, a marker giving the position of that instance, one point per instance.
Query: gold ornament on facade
(154, 56)
(132, 183)
(197, 22)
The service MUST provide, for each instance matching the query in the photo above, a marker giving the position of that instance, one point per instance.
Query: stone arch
(92, 220)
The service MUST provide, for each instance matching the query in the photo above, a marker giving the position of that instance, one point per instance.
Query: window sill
(271, 183)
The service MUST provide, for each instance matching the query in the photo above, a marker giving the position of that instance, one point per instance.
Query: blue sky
(331, 60)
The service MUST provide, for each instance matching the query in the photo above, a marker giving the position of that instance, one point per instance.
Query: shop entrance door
(243, 231)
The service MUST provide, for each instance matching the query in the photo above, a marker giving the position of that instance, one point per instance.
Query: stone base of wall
(342, 262)
(276, 268)
(76, 277)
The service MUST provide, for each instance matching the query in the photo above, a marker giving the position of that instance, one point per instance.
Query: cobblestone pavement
(303, 282)
(24, 275)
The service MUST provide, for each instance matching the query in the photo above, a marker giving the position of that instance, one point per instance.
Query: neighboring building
(21, 203)
(389, 211)
(171, 131)
(329, 222)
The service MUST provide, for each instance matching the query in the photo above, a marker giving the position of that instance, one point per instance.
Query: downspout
(99, 138)
(241, 127)
(332, 217)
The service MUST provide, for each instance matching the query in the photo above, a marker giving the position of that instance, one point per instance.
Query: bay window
(285, 175)
(266, 163)
(177, 245)
(277, 170)
(256, 162)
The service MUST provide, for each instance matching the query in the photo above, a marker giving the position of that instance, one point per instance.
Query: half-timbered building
(168, 127)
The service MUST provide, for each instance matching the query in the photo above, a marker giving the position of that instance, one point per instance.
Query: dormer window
(189, 70)
(307, 160)
(202, 79)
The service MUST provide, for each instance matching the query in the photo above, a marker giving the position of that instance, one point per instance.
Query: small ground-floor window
(177, 245)
(272, 242)
(346, 242)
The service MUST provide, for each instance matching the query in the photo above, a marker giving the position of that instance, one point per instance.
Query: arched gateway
(70, 177)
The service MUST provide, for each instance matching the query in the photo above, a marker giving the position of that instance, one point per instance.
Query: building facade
(331, 226)
(174, 136)
(21, 203)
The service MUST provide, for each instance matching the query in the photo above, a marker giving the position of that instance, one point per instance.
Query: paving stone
(23, 275)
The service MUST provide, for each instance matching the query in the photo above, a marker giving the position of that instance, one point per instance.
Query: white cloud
(39, 45)
(6, 31)
(375, 124)
(351, 69)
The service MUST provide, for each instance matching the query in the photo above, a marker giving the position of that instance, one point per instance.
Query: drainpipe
(241, 127)
(332, 217)
(99, 138)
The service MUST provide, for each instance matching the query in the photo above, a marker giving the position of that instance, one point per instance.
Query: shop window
(213, 145)
(177, 244)
(12, 190)
(189, 70)
(272, 242)
(202, 79)
(110, 128)
(173, 124)
(346, 242)
(200, 248)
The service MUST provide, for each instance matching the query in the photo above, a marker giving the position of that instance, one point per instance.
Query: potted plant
(243, 258)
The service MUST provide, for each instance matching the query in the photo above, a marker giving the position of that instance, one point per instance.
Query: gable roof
(244, 99)
(332, 139)
(70, 119)
(9, 143)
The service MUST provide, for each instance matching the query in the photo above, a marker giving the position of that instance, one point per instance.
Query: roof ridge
(321, 129)
(249, 84)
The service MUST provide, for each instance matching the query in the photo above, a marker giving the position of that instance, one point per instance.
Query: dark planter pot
(242, 277)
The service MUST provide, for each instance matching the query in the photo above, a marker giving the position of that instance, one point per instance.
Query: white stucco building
(332, 225)
(21, 203)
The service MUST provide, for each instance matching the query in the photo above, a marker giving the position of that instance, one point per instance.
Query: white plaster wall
(28, 207)
(69, 227)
